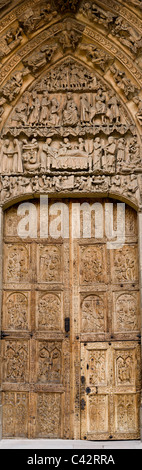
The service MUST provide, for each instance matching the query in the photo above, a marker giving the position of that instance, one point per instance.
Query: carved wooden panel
(110, 390)
(35, 346)
(15, 414)
(49, 415)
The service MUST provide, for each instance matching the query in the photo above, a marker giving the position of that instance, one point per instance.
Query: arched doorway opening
(70, 325)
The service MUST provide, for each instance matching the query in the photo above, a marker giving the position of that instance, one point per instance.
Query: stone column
(140, 281)
(1, 248)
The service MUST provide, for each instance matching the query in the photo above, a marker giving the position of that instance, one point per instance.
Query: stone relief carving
(94, 13)
(98, 56)
(102, 155)
(123, 82)
(10, 41)
(102, 107)
(11, 159)
(37, 17)
(72, 122)
(127, 35)
(40, 58)
(13, 86)
(69, 37)
(127, 185)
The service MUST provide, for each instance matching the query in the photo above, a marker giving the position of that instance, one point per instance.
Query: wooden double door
(70, 332)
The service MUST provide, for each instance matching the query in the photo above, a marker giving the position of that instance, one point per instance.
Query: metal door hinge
(67, 324)
(4, 335)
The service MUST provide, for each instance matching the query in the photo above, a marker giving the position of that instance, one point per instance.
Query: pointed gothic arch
(70, 123)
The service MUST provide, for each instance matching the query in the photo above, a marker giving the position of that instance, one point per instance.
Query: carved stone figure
(97, 55)
(54, 109)
(84, 109)
(108, 158)
(100, 105)
(34, 19)
(10, 41)
(121, 152)
(46, 154)
(34, 110)
(69, 37)
(127, 35)
(123, 82)
(11, 160)
(70, 111)
(13, 86)
(96, 14)
(44, 113)
(112, 111)
(40, 58)
(30, 155)
(97, 154)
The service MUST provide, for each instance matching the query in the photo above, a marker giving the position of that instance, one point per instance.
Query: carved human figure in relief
(97, 154)
(16, 309)
(16, 356)
(30, 155)
(44, 113)
(113, 112)
(124, 369)
(34, 110)
(125, 265)
(121, 149)
(70, 111)
(84, 109)
(108, 158)
(35, 19)
(69, 38)
(46, 154)
(10, 41)
(11, 160)
(54, 110)
(100, 105)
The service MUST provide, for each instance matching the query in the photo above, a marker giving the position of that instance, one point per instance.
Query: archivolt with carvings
(73, 123)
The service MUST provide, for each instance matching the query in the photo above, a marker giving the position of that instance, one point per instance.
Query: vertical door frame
(139, 219)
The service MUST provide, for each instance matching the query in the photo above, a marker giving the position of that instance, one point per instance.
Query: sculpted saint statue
(70, 112)
(11, 160)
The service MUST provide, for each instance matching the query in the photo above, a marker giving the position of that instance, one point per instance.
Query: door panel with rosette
(35, 345)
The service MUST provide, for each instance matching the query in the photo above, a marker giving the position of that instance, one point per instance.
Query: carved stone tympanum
(70, 149)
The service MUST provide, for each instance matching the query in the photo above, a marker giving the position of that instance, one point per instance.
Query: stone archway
(70, 122)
